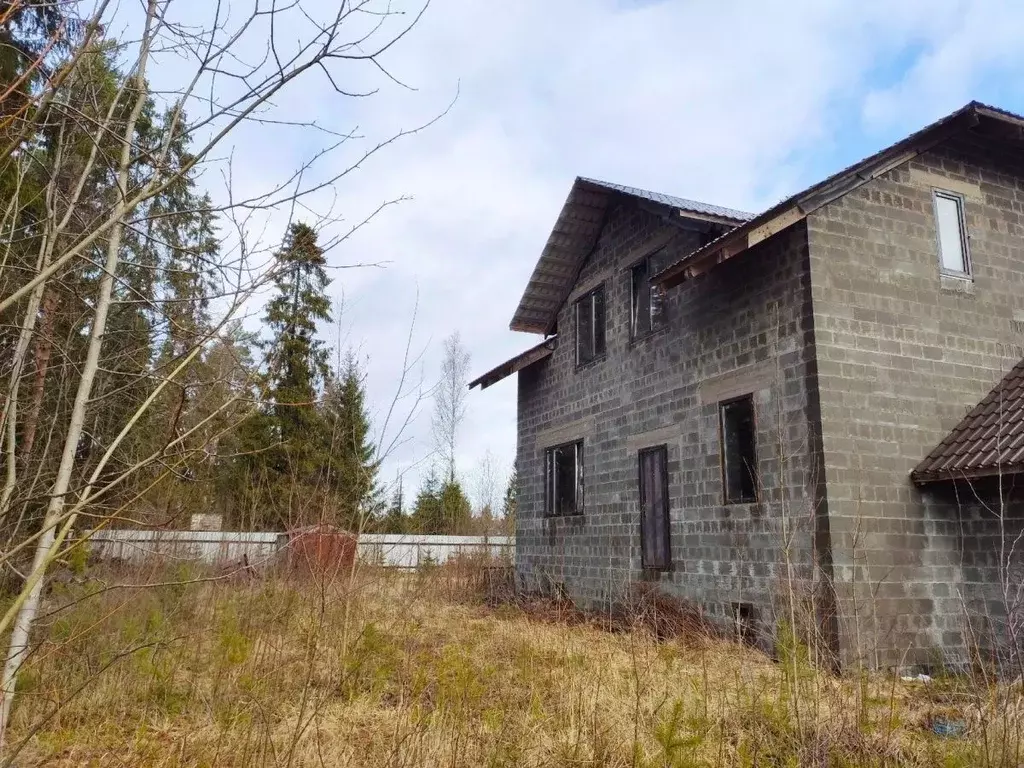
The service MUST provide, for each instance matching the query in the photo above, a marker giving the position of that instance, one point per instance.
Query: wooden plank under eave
(564, 241)
(547, 284)
(585, 211)
(526, 327)
(557, 273)
(537, 308)
(530, 316)
(589, 199)
(776, 224)
(569, 242)
(703, 264)
(544, 282)
(552, 273)
(535, 311)
(554, 267)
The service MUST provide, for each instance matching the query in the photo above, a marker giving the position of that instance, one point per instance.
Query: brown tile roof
(989, 440)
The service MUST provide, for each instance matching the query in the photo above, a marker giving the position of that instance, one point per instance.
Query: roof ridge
(688, 204)
(822, 191)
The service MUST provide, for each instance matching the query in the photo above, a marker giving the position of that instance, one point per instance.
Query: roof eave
(526, 327)
(515, 364)
(943, 476)
(577, 230)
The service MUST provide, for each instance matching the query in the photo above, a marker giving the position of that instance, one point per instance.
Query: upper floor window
(646, 308)
(739, 450)
(952, 233)
(590, 332)
(563, 480)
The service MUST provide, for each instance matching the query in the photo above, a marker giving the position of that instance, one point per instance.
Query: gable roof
(574, 235)
(989, 440)
(799, 206)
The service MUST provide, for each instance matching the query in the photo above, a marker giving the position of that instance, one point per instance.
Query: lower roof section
(988, 441)
(517, 363)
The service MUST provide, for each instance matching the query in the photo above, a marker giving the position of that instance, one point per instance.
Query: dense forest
(162, 342)
(133, 392)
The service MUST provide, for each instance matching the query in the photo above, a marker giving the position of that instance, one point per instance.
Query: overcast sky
(733, 103)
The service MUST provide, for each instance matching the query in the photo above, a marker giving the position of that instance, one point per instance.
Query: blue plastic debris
(949, 728)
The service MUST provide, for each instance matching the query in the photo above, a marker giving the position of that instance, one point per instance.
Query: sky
(733, 103)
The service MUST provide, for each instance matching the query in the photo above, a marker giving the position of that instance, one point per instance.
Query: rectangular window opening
(563, 468)
(590, 330)
(739, 450)
(952, 233)
(655, 549)
(646, 305)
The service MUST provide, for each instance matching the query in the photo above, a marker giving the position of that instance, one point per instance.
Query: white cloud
(964, 49)
(731, 102)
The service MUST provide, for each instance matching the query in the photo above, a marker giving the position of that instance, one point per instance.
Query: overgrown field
(390, 670)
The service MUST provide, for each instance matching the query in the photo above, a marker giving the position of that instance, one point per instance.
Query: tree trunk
(44, 350)
(9, 418)
(27, 602)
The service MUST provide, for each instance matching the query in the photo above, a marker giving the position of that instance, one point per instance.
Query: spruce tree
(353, 457)
(456, 509)
(509, 508)
(33, 37)
(395, 520)
(178, 245)
(428, 514)
(297, 367)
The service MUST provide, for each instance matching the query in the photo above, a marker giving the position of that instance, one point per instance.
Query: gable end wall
(744, 327)
(903, 353)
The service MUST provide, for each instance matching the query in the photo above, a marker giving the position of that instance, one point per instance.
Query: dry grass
(389, 670)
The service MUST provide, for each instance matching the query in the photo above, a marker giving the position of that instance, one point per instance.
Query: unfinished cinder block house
(822, 402)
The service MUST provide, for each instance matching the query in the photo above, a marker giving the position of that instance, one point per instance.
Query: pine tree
(353, 462)
(297, 367)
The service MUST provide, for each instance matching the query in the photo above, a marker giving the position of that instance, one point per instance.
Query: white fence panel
(412, 550)
(213, 547)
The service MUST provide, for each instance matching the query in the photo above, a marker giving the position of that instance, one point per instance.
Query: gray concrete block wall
(903, 353)
(988, 531)
(744, 327)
